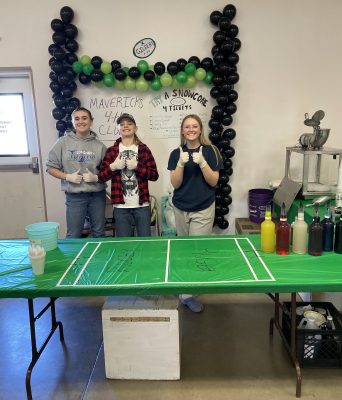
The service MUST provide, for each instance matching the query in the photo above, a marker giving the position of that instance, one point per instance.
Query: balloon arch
(220, 71)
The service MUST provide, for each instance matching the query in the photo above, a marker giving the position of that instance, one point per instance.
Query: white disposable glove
(89, 177)
(132, 164)
(183, 157)
(199, 158)
(75, 177)
(119, 163)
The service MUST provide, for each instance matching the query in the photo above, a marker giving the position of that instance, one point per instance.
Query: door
(22, 195)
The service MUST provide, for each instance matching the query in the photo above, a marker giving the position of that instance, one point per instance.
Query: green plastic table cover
(163, 266)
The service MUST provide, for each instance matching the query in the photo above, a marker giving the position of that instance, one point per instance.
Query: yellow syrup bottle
(268, 232)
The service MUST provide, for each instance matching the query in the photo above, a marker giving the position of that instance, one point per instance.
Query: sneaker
(193, 304)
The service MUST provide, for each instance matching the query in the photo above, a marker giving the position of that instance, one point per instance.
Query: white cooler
(141, 337)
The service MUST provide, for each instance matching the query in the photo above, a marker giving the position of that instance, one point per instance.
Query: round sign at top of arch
(144, 48)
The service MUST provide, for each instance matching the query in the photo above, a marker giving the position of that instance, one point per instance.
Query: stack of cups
(37, 258)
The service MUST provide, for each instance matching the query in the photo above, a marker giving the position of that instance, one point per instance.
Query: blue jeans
(80, 205)
(124, 221)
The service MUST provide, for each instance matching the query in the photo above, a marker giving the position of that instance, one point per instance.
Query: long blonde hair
(202, 139)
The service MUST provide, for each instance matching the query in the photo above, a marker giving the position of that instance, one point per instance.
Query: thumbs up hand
(199, 159)
(183, 157)
(75, 177)
(89, 177)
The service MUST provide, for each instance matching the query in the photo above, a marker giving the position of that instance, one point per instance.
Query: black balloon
(59, 101)
(53, 76)
(214, 137)
(55, 87)
(231, 108)
(233, 31)
(57, 66)
(75, 101)
(61, 125)
(222, 99)
(215, 17)
(233, 58)
(227, 163)
(71, 58)
(224, 23)
(61, 134)
(227, 120)
(225, 210)
(215, 49)
(233, 77)
(159, 68)
(172, 68)
(218, 219)
(181, 62)
(70, 107)
(96, 75)
(217, 80)
(195, 60)
(230, 133)
(223, 68)
(69, 123)
(224, 224)
(120, 74)
(134, 72)
(219, 57)
(232, 95)
(58, 113)
(224, 143)
(217, 112)
(225, 190)
(214, 124)
(149, 75)
(57, 25)
(67, 14)
(59, 38)
(223, 179)
(237, 44)
(84, 79)
(214, 92)
(63, 78)
(227, 201)
(218, 209)
(52, 48)
(115, 65)
(68, 91)
(225, 87)
(218, 198)
(71, 31)
(227, 46)
(219, 37)
(207, 63)
(229, 11)
(96, 62)
(230, 151)
(71, 45)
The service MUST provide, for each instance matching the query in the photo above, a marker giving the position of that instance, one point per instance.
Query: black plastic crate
(316, 347)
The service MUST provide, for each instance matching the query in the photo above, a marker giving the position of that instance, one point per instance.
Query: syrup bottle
(283, 233)
(315, 236)
(300, 233)
(268, 232)
(338, 237)
(328, 231)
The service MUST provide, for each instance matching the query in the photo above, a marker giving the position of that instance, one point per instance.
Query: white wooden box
(141, 337)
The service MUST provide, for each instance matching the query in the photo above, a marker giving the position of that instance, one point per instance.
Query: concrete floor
(226, 354)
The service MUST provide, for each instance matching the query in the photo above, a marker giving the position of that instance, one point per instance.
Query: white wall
(290, 63)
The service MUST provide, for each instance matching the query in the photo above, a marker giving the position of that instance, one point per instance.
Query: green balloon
(156, 84)
(190, 68)
(77, 67)
(106, 67)
(108, 80)
(209, 77)
(142, 66)
(141, 84)
(129, 83)
(200, 74)
(119, 85)
(88, 69)
(181, 77)
(166, 79)
(126, 69)
(85, 59)
(175, 83)
(191, 82)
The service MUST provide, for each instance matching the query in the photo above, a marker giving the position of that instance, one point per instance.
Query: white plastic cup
(38, 263)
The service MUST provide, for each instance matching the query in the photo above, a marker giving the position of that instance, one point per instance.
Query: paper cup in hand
(38, 262)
